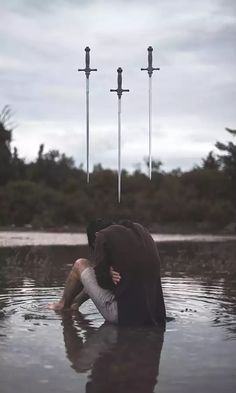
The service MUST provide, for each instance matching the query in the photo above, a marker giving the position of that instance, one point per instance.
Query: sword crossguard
(87, 68)
(150, 68)
(119, 89)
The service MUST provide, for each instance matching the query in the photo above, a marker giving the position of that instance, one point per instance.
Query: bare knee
(81, 264)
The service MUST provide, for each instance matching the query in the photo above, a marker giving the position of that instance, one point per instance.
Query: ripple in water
(188, 301)
(39, 346)
(191, 300)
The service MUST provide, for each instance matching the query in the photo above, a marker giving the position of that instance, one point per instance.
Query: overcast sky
(194, 94)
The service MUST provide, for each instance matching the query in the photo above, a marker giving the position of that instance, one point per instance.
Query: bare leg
(79, 299)
(73, 285)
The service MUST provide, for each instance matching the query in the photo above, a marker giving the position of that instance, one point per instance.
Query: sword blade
(87, 126)
(119, 149)
(150, 128)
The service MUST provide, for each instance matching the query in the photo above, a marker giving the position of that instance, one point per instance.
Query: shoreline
(204, 258)
(37, 238)
(168, 229)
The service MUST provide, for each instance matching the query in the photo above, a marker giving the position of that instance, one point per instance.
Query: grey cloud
(193, 94)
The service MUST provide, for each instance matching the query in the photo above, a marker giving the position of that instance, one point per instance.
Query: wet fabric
(104, 299)
(132, 252)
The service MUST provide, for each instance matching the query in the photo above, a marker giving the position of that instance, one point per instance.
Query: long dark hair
(101, 223)
(96, 226)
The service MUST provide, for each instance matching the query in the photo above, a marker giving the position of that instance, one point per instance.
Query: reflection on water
(113, 356)
(79, 353)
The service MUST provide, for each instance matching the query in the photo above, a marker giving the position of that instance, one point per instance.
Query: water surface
(41, 350)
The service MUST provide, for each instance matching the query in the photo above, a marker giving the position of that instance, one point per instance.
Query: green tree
(211, 162)
(18, 167)
(228, 163)
(156, 165)
(52, 168)
(5, 145)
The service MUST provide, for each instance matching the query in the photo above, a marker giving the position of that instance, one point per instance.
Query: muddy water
(41, 350)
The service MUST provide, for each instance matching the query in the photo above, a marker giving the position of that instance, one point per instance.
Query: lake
(41, 350)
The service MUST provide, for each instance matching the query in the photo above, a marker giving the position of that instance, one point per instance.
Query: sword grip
(119, 78)
(150, 49)
(87, 57)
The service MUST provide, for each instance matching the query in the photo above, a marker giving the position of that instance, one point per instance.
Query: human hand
(115, 276)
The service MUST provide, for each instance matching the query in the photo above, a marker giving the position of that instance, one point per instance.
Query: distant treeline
(52, 192)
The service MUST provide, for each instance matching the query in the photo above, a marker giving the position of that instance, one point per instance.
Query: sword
(87, 71)
(119, 92)
(150, 70)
